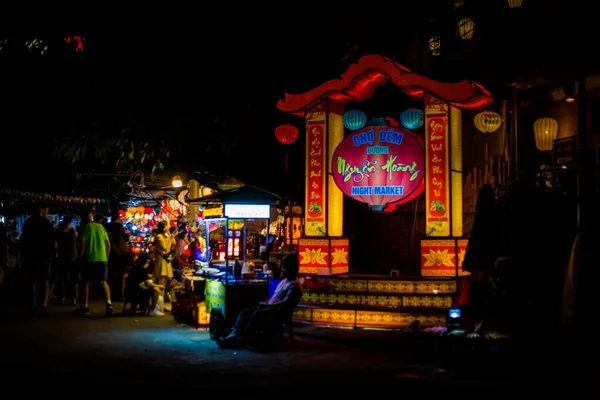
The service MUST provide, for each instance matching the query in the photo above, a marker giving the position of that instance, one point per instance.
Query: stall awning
(243, 195)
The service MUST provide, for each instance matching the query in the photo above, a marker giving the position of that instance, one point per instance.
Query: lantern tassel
(286, 162)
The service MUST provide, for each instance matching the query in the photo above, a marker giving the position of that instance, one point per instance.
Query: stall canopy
(243, 195)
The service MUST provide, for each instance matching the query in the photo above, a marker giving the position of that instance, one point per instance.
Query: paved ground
(165, 356)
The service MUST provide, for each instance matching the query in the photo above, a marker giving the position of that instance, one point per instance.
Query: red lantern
(286, 134)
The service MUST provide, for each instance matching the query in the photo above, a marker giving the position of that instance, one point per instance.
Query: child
(139, 288)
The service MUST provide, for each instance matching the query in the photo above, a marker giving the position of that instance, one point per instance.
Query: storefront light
(177, 182)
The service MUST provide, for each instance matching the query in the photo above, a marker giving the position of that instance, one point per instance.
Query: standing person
(66, 261)
(163, 270)
(37, 250)
(4, 244)
(93, 258)
(120, 256)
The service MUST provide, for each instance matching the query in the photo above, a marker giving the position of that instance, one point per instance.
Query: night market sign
(379, 165)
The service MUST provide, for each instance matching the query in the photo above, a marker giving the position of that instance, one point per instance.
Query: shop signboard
(215, 296)
(437, 188)
(380, 165)
(247, 211)
(316, 173)
(213, 212)
(564, 152)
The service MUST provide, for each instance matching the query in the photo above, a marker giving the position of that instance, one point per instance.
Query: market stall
(234, 221)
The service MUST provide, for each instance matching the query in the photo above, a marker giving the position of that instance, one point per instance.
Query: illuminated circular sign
(380, 165)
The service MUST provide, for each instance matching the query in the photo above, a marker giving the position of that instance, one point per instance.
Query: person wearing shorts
(93, 257)
(37, 249)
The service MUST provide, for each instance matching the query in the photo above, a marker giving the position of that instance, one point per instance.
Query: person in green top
(93, 256)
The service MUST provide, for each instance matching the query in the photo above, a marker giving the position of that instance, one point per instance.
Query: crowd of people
(63, 262)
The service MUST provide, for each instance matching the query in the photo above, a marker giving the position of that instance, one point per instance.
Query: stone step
(407, 300)
(369, 318)
(392, 286)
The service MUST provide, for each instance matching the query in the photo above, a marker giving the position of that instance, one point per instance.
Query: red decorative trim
(362, 78)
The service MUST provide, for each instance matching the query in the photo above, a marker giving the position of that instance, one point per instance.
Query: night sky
(176, 78)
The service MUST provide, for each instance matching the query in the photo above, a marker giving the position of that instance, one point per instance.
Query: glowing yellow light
(177, 182)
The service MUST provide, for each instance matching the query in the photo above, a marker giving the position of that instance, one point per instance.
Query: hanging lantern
(515, 3)
(286, 134)
(412, 118)
(354, 119)
(487, 122)
(434, 46)
(545, 131)
(466, 26)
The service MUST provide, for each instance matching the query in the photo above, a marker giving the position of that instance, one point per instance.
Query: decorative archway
(325, 250)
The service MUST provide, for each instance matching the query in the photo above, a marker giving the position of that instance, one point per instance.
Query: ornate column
(323, 250)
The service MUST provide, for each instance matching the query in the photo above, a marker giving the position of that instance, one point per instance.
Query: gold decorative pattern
(340, 256)
(427, 301)
(341, 317)
(349, 285)
(391, 286)
(363, 318)
(340, 242)
(313, 256)
(396, 320)
(315, 242)
(436, 287)
(377, 300)
(303, 314)
(382, 301)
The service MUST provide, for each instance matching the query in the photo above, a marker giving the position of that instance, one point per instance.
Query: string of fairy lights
(42, 46)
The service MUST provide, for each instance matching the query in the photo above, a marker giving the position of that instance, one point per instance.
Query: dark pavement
(167, 357)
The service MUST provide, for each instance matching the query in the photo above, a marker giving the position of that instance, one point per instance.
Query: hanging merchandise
(52, 197)
(140, 221)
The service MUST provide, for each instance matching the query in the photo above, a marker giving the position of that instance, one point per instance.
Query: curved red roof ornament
(362, 78)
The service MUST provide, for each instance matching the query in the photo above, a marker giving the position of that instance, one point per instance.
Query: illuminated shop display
(236, 227)
(139, 221)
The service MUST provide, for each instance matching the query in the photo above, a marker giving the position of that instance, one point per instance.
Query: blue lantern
(412, 118)
(354, 119)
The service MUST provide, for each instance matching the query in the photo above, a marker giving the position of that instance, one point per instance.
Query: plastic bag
(160, 304)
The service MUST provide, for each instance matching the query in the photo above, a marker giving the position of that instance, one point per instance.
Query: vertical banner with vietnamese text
(316, 172)
(437, 187)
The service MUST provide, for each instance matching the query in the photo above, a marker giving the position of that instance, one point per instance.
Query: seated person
(139, 288)
(286, 297)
